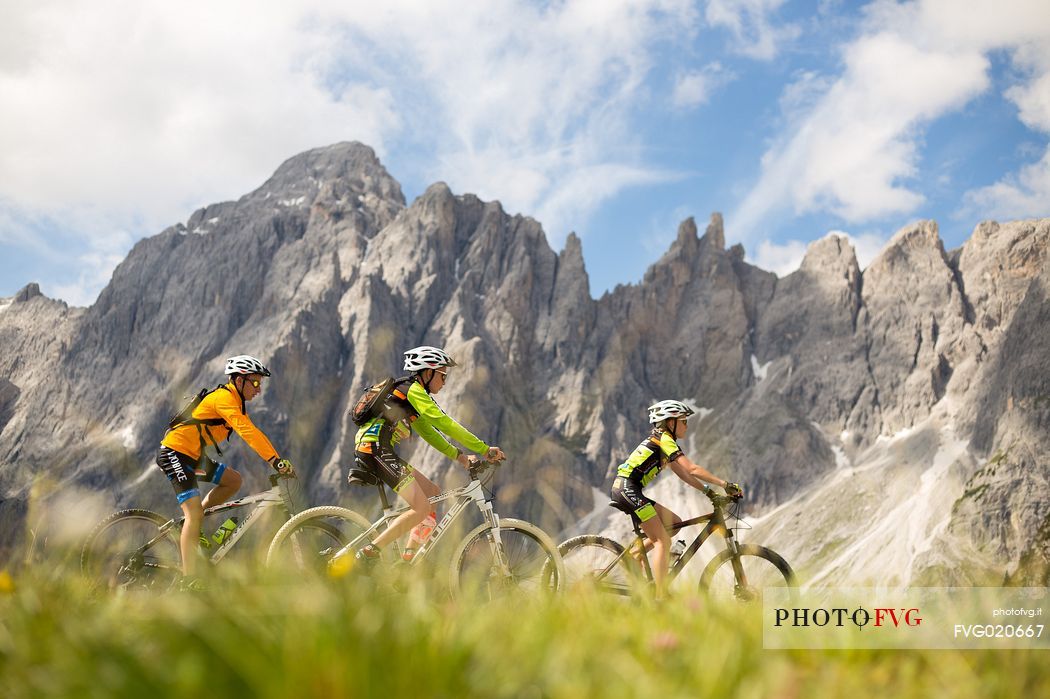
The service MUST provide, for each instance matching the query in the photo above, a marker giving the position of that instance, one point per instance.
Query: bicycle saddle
(361, 477)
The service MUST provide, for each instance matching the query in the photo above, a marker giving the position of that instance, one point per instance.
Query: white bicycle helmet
(245, 364)
(665, 409)
(427, 357)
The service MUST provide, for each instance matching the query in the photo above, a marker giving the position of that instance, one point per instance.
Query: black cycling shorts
(183, 472)
(387, 466)
(629, 494)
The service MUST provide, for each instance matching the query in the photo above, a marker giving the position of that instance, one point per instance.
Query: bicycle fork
(742, 583)
(499, 556)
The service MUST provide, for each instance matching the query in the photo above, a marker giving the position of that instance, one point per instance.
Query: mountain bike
(739, 572)
(498, 556)
(140, 549)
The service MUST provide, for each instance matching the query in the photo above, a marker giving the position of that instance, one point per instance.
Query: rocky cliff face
(829, 392)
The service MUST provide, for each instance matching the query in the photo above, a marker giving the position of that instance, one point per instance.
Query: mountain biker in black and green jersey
(670, 419)
(412, 409)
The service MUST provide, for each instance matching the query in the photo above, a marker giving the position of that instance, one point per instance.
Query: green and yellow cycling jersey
(425, 418)
(650, 457)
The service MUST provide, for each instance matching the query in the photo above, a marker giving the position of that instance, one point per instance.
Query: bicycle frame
(716, 523)
(473, 492)
(263, 501)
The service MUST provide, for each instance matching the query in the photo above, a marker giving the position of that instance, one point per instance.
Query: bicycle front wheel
(743, 577)
(308, 542)
(128, 551)
(516, 556)
(597, 562)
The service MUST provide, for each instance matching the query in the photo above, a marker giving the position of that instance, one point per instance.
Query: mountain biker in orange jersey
(182, 457)
(670, 419)
(412, 409)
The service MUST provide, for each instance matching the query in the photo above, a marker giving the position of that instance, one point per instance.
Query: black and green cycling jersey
(650, 457)
(424, 417)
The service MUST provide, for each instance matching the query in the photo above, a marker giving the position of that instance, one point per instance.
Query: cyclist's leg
(226, 479)
(422, 530)
(403, 479)
(179, 468)
(416, 497)
(667, 517)
(193, 510)
(651, 517)
(430, 488)
(661, 540)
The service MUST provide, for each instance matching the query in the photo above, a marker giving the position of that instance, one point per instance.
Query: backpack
(185, 417)
(373, 402)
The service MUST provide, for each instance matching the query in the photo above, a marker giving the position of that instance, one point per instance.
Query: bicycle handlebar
(479, 466)
(722, 500)
(275, 477)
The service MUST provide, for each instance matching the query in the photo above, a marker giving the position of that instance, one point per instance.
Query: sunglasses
(442, 374)
(254, 382)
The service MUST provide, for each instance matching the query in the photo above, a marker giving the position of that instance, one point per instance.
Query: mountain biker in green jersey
(670, 420)
(412, 409)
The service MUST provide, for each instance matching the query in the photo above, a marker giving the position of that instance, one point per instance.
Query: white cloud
(780, 258)
(854, 149)
(784, 258)
(695, 87)
(140, 113)
(529, 105)
(1024, 195)
(750, 23)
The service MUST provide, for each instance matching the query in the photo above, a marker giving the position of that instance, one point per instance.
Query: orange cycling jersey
(222, 403)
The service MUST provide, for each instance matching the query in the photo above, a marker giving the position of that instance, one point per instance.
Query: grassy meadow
(253, 635)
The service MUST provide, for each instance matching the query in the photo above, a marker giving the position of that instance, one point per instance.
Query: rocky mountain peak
(920, 239)
(31, 290)
(573, 251)
(687, 230)
(350, 161)
(690, 254)
(833, 254)
(714, 237)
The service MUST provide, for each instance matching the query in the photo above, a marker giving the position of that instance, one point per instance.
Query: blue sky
(609, 118)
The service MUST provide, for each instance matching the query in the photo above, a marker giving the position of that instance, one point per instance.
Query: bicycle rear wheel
(307, 543)
(596, 562)
(127, 551)
(516, 557)
(755, 569)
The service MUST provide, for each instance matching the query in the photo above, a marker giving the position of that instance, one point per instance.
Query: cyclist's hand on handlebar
(463, 460)
(283, 466)
(495, 454)
(734, 489)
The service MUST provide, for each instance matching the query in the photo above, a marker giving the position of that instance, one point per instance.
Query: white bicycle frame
(264, 501)
(473, 492)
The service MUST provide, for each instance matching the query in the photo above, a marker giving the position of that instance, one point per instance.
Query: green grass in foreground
(246, 637)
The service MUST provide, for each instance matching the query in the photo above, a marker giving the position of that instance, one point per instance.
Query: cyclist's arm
(694, 474)
(433, 423)
(229, 409)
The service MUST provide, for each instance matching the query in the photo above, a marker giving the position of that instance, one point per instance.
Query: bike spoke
(308, 544)
(523, 564)
(119, 554)
(746, 578)
(595, 562)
